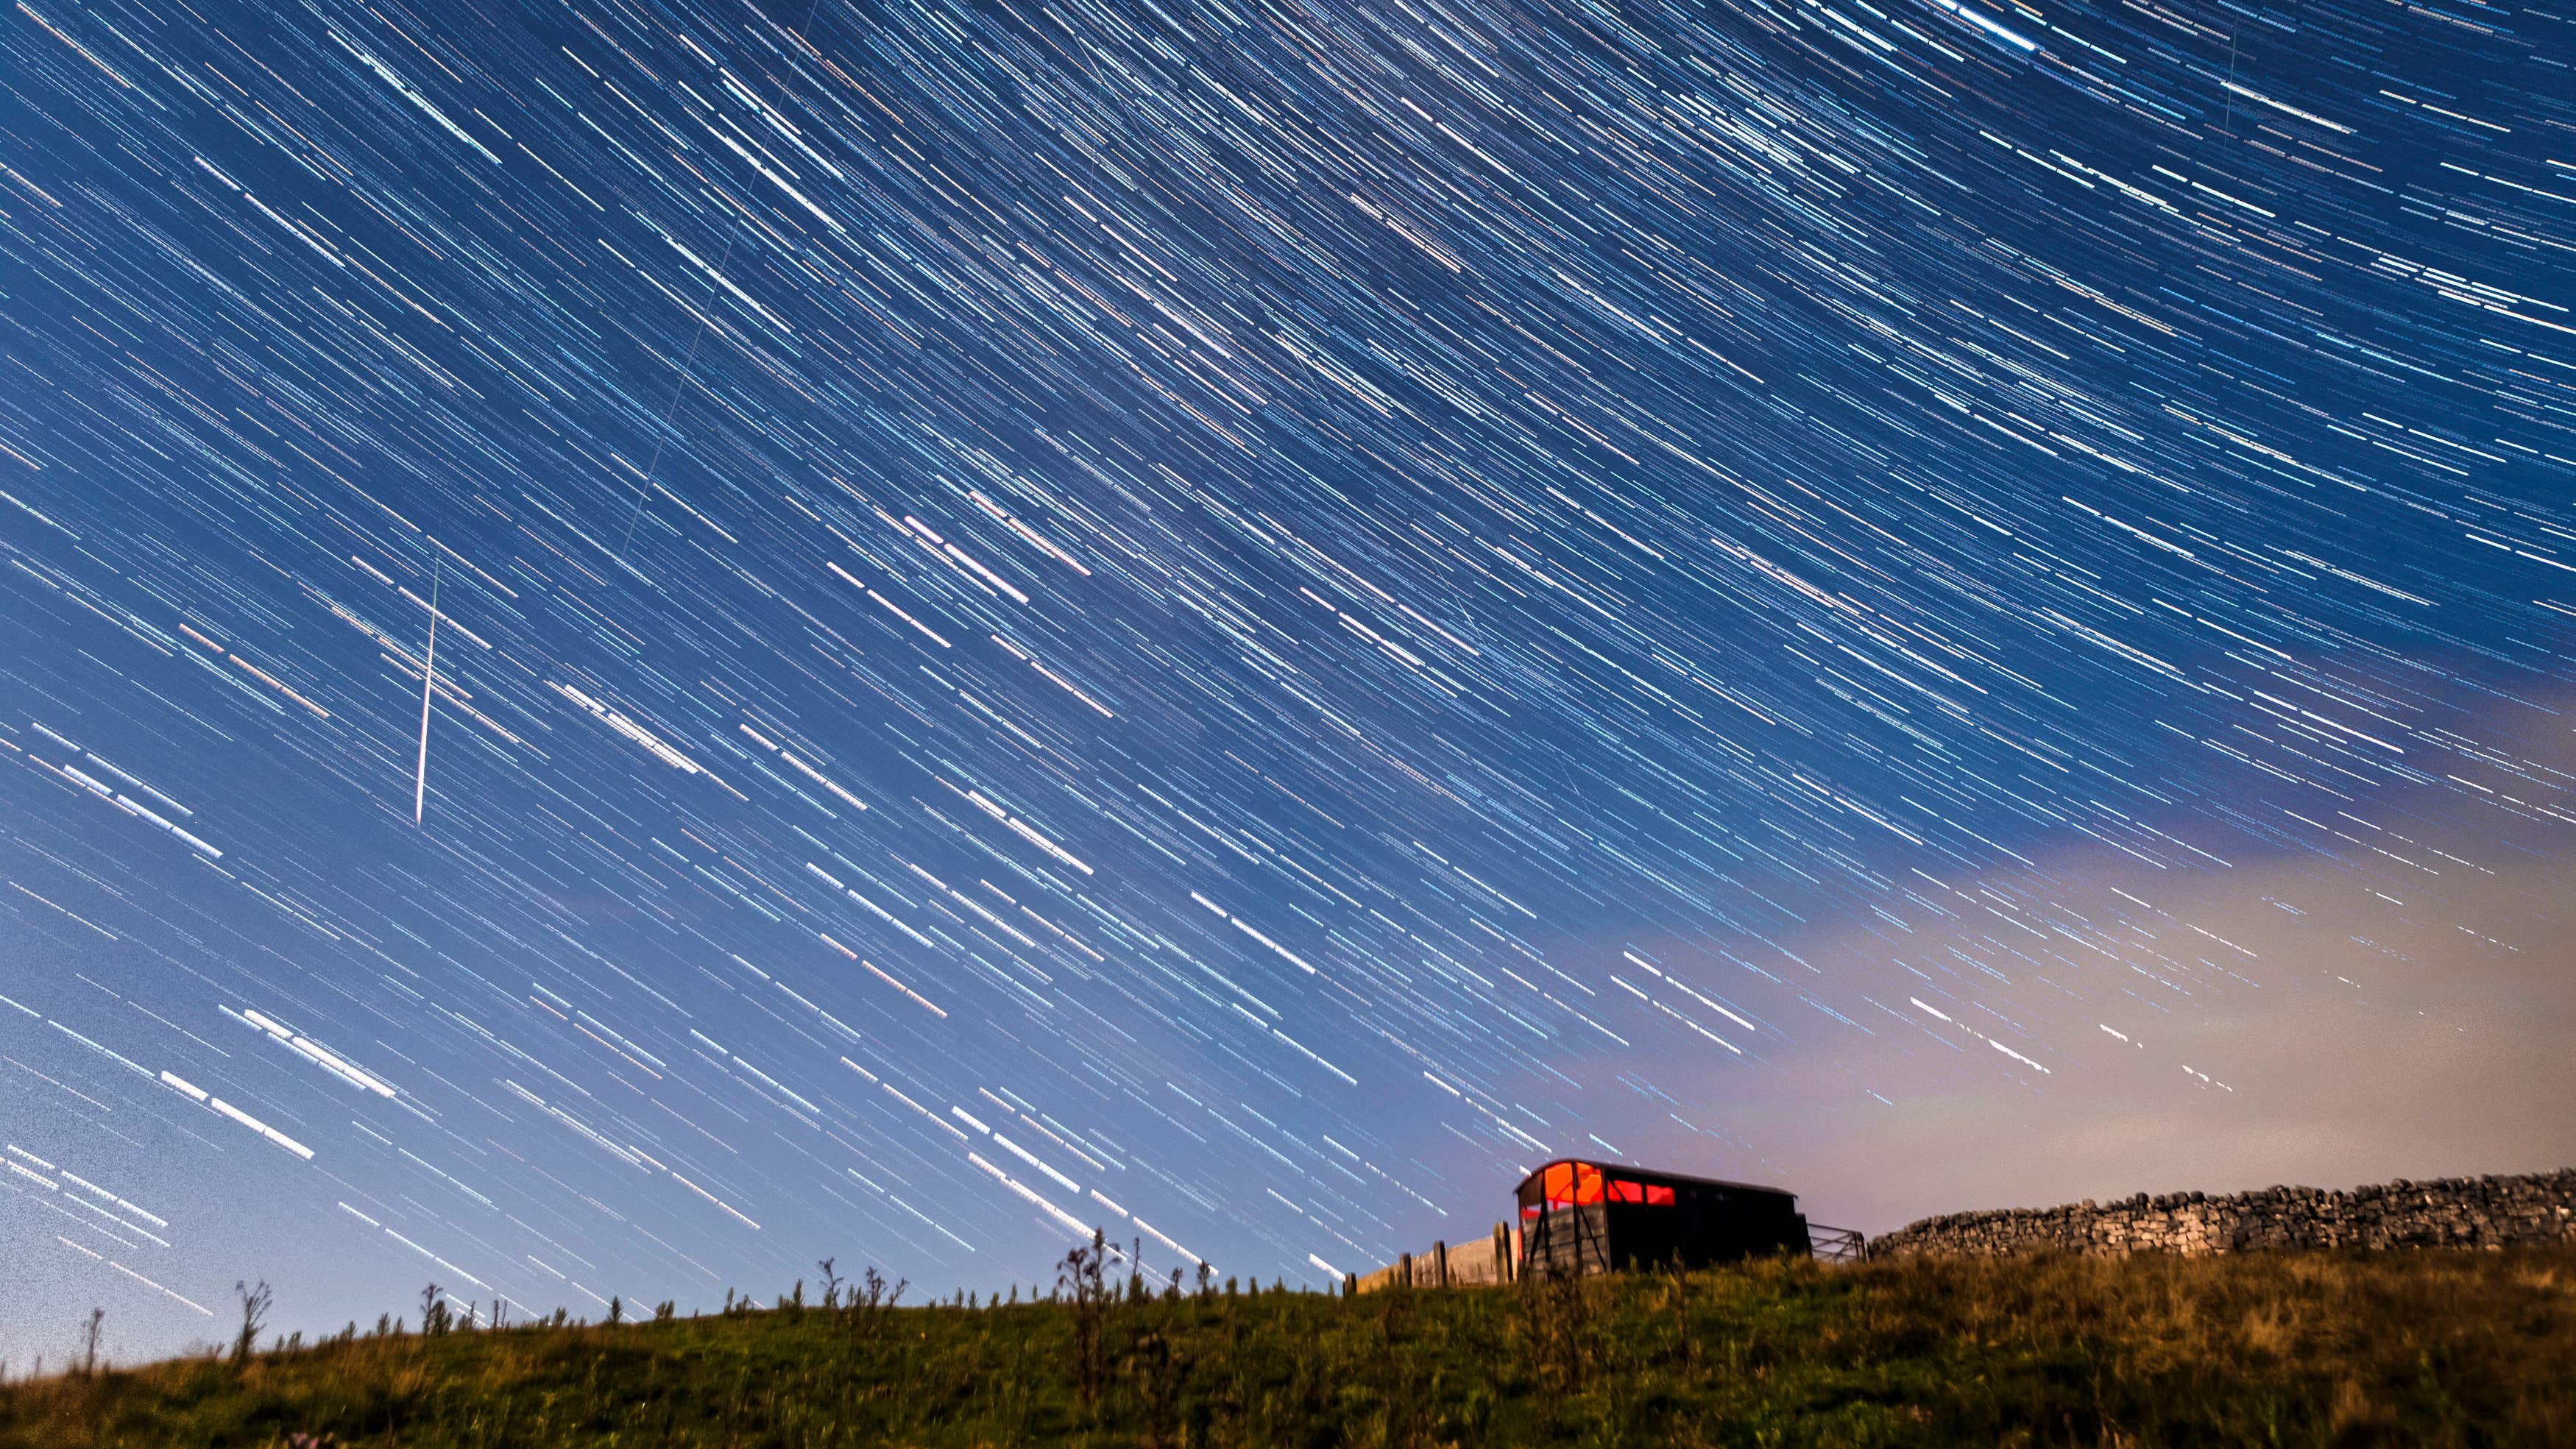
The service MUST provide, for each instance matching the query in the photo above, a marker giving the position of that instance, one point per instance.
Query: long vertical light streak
(428, 681)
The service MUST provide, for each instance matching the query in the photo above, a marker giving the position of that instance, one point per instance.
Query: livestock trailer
(1590, 1217)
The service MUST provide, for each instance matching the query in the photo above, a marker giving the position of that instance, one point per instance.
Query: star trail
(646, 641)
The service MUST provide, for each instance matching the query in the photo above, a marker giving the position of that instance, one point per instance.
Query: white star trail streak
(1248, 617)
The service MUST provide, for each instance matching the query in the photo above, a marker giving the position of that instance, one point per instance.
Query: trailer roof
(1649, 1174)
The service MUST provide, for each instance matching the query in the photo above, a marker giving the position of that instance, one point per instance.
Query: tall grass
(2412, 1348)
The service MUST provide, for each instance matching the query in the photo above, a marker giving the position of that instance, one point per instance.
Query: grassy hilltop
(2428, 1347)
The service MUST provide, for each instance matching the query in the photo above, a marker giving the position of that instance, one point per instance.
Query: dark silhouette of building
(1590, 1217)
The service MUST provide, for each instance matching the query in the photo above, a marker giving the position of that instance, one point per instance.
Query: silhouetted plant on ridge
(1083, 1279)
(89, 1341)
(254, 1306)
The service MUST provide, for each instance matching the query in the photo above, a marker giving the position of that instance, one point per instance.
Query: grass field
(2405, 1348)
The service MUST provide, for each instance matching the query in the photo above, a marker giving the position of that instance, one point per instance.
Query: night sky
(1239, 620)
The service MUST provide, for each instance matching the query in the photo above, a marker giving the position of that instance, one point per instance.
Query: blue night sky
(1238, 621)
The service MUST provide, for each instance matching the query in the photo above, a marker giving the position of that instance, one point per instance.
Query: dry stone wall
(2465, 1212)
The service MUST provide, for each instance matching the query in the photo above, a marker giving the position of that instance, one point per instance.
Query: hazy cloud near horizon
(2371, 1019)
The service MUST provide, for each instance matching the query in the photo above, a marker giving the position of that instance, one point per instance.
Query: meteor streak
(428, 682)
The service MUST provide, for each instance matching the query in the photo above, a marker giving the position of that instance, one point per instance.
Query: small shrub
(254, 1306)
